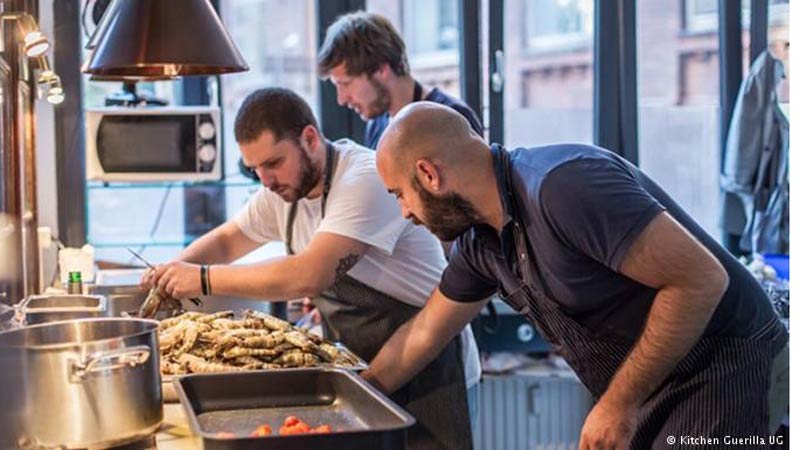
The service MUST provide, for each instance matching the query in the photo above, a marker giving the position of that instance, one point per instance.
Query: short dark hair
(280, 111)
(363, 41)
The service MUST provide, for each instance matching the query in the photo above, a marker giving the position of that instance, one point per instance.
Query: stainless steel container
(88, 383)
(361, 418)
(50, 308)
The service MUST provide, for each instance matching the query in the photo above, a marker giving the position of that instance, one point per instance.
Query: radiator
(541, 410)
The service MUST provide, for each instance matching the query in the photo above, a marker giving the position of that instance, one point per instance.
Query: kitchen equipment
(361, 418)
(50, 308)
(507, 331)
(176, 143)
(88, 383)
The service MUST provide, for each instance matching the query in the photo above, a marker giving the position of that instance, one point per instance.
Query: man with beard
(367, 268)
(669, 332)
(365, 59)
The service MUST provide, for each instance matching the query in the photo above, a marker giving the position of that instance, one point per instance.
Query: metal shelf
(91, 185)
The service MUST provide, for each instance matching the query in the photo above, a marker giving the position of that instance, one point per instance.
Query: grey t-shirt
(582, 208)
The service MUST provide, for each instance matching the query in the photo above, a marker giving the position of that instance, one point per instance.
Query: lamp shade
(162, 39)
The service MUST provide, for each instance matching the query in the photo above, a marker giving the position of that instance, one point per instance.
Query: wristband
(204, 279)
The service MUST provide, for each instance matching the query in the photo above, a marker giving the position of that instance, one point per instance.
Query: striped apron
(720, 388)
(363, 319)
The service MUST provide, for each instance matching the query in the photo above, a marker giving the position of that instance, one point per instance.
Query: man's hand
(608, 427)
(178, 279)
(147, 281)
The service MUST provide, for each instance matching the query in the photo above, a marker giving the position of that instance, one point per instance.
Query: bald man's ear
(428, 174)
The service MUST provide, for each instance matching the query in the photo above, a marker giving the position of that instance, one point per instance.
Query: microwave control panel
(206, 143)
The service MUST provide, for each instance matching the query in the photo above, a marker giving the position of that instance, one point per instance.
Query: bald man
(674, 338)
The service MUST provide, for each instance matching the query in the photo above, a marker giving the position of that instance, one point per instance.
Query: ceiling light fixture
(161, 39)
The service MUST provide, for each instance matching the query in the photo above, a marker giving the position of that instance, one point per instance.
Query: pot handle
(108, 360)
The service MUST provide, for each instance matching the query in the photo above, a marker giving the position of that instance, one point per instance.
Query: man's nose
(341, 97)
(266, 178)
(406, 212)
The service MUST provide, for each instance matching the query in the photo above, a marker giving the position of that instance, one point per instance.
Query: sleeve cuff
(633, 232)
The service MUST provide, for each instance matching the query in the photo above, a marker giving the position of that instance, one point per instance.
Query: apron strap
(331, 158)
(417, 91)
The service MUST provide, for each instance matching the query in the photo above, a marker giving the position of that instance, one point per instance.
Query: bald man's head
(426, 130)
(426, 157)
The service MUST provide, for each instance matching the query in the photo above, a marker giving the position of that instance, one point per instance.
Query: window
(701, 15)
(679, 110)
(430, 29)
(548, 95)
(278, 39)
(558, 24)
(778, 42)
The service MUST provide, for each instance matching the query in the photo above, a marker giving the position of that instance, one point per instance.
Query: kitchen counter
(175, 433)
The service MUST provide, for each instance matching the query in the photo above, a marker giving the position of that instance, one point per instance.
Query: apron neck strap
(330, 163)
(417, 91)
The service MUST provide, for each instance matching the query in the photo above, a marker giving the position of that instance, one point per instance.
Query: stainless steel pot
(88, 383)
(50, 308)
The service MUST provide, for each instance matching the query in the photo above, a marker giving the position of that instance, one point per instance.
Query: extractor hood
(158, 39)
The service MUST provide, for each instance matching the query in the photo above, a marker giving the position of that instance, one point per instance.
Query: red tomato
(322, 429)
(262, 431)
(291, 421)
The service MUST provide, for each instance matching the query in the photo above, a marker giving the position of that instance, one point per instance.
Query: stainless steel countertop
(175, 433)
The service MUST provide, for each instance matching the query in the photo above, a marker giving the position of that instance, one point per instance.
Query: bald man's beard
(381, 102)
(447, 216)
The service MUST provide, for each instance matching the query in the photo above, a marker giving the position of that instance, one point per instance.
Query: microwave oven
(179, 143)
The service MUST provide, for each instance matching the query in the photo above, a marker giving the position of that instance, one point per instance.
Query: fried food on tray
(198, 343)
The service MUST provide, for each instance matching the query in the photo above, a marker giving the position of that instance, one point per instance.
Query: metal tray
(38, 309)
(171, 395)
(361, 417)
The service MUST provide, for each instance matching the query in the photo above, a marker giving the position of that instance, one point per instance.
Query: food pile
(196, 342)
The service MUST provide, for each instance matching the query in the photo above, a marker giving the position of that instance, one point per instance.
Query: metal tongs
(196, 301)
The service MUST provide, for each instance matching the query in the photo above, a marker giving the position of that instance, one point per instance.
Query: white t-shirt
(404, 261)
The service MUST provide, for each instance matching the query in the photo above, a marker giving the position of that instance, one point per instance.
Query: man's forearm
(419, 341)
(676, 322)
(206, 249)
(222, 245)
(404, 355)
(278, 278)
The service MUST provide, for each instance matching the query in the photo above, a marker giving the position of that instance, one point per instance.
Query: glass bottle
(75, 286)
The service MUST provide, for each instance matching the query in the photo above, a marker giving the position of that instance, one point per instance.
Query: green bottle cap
(74, 277)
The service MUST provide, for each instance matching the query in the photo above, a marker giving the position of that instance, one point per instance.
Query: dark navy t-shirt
(582, 208)
(376, 126)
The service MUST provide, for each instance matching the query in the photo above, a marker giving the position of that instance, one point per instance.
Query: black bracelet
(204, 279)
(208, 279)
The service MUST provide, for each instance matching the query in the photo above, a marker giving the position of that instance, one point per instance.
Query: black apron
(363, 319)
(720, 388)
